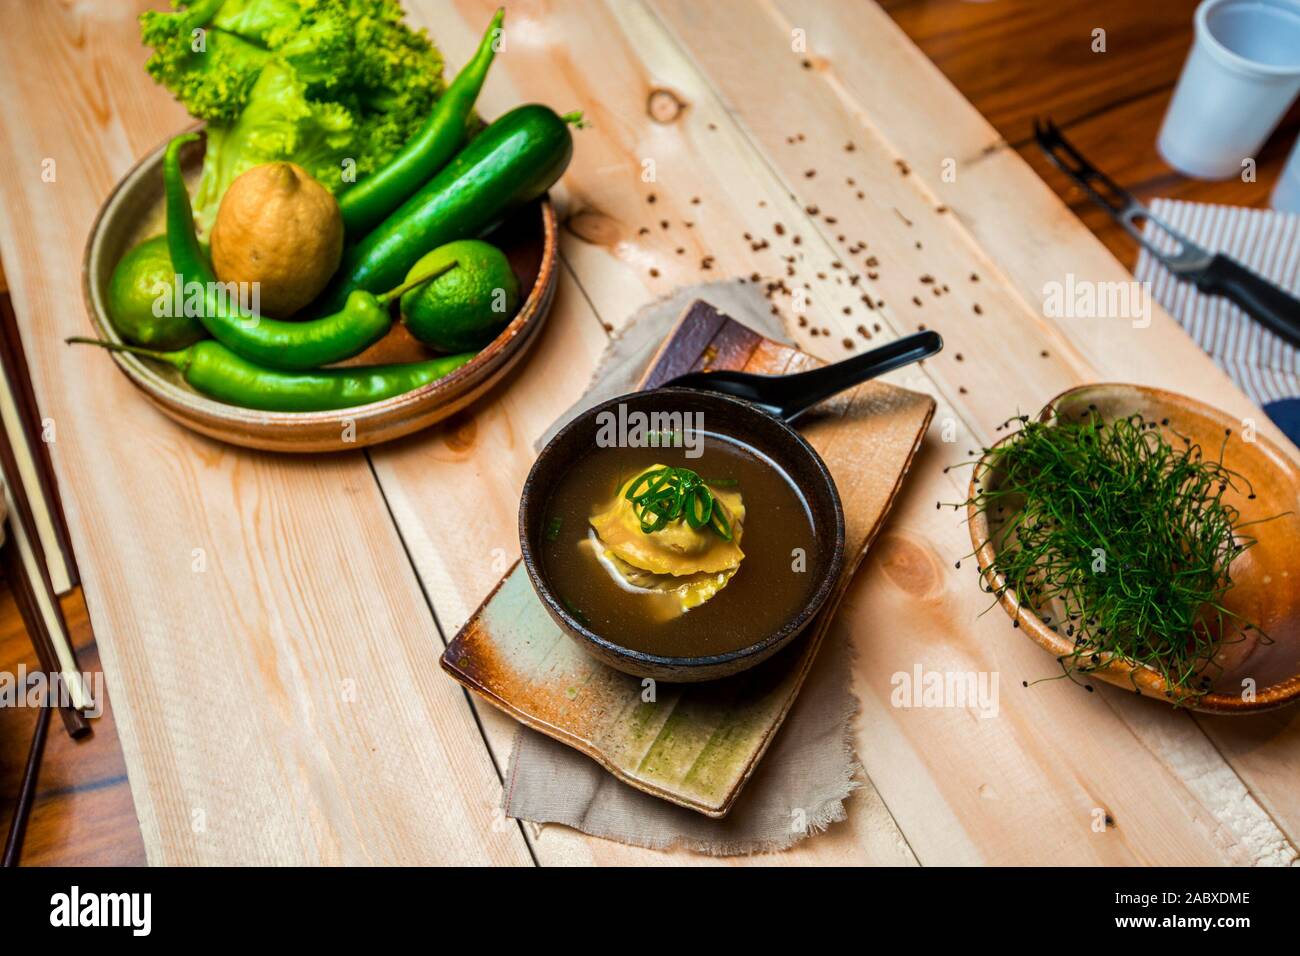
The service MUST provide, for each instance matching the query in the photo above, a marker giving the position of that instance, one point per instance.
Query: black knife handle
(1276, 310)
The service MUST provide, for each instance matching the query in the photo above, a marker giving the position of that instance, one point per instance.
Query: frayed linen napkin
(802, 782)
(1266, 368)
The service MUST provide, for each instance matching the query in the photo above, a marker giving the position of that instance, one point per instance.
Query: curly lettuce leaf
(278, 123)
(209, 70)
(314, 82)
(257, 20)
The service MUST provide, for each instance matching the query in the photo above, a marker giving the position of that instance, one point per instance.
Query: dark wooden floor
(83, 814)
(1014, 59)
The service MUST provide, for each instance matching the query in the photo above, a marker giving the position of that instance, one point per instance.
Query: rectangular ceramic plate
(697, 744)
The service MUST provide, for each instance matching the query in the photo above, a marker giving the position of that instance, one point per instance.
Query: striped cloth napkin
(1263, 366)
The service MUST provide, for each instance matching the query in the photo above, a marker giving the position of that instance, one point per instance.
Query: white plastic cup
(1241, 75)
(1286, 194)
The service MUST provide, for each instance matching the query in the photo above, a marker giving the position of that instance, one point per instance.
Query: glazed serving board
(134, 211)
(694, 745)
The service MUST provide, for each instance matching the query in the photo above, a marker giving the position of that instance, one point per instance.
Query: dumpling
(691, 564)
(677, 549)
(667, 596)
(691, 590)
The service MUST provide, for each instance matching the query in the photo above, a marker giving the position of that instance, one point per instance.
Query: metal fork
(1213, 273)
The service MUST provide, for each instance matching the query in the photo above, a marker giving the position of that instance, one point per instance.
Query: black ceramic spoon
(788, 396)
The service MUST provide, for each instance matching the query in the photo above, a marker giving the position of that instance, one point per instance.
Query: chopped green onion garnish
(669, 494)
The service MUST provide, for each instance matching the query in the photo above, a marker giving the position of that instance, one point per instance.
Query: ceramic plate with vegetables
(357, 233)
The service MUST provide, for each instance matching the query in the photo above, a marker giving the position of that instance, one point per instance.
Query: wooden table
(269, 625)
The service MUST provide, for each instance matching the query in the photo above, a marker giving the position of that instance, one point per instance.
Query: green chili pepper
(366, 204)
(219, 373)
(362, 321)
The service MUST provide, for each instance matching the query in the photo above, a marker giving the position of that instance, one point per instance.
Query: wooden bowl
(134, 211)
(744, 422)
(1266, 577)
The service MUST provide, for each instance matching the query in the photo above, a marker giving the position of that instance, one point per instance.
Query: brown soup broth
(765, 592)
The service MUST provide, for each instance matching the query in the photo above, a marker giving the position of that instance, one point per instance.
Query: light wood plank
(1005, 210)
(264, 637)
(720, 38)
(429, 503)
(1042, 244)
(306, 586)
(704, 154)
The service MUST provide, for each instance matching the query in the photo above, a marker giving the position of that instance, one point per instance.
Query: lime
(465, 308)
(144, 277)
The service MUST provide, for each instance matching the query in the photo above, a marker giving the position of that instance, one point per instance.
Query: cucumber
(511, 162)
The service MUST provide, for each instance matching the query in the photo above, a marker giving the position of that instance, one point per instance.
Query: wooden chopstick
(24, 427)
(38, 621)
(29, 576)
